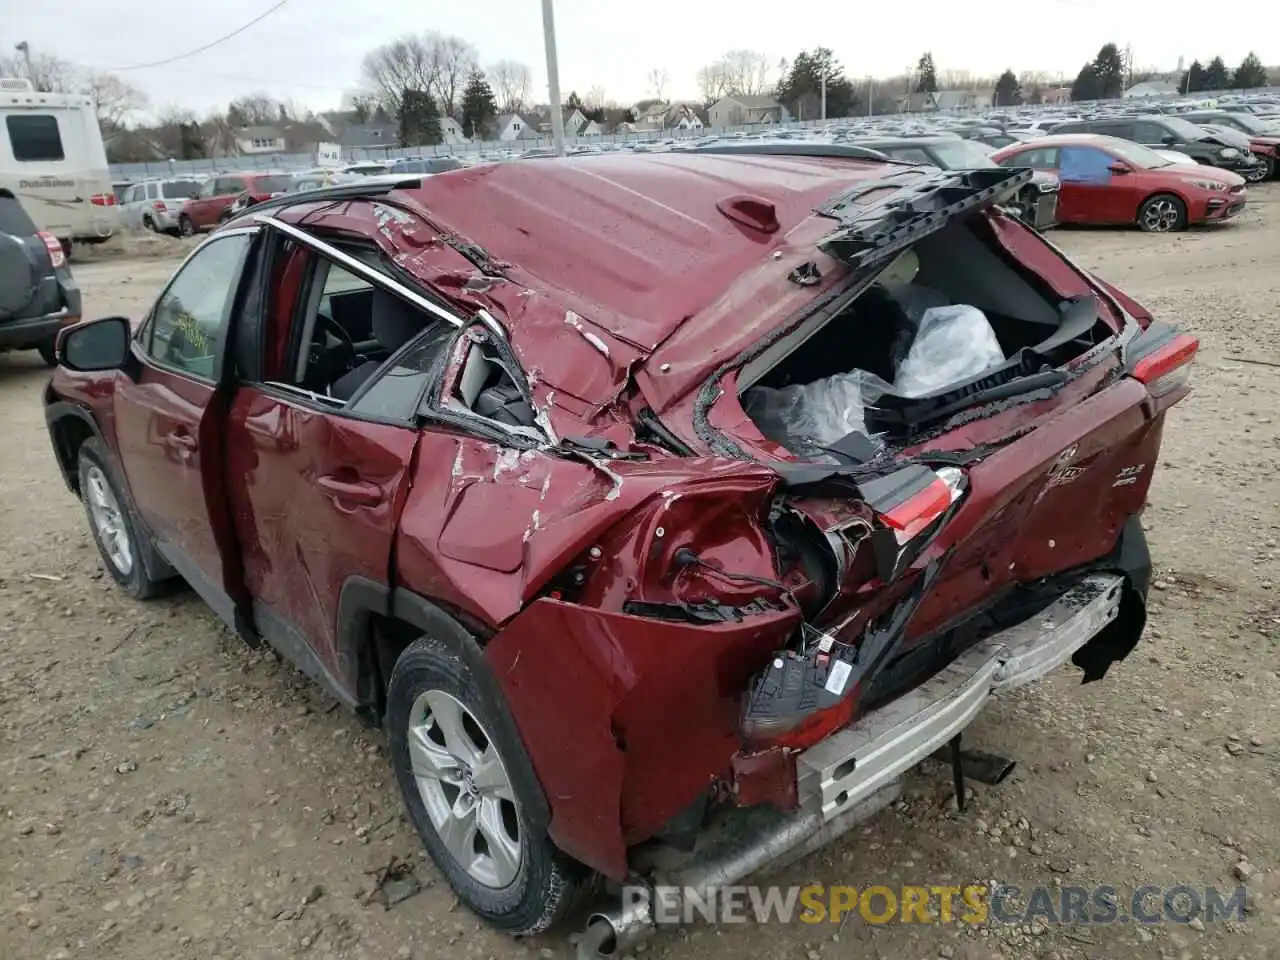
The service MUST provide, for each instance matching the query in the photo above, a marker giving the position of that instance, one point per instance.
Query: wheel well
(68, 434)
(385, 638)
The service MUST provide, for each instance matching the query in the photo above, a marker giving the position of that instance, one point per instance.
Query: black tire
(1162, 213)
(47, 352)
(548, 884)
(135, 580)
(186, 228)
(148, 223)
(1270, 164)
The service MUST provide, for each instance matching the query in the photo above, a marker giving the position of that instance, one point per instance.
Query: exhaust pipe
(782, 840)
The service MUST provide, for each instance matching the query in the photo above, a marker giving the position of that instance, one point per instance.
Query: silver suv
(155, 204)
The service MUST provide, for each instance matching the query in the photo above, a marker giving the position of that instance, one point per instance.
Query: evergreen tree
(1008, 91)
(928, 82)
(1193, 82)
(1086, 85)
(800, 90)
(419, 119)
(1216, 76)
(479, 106)
(1251, 73)
(1108, 69)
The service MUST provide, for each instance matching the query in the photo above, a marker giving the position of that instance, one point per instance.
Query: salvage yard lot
(167, 793)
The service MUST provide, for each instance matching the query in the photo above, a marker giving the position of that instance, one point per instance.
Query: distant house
(740, 110)
(368, 136)
(512, 126)
(922, 101)
(1152, 88)
(683, 116)
(451, 131)
(575, 121)
(591, 129)
(958, 100)
(651, 113)
(261, 139)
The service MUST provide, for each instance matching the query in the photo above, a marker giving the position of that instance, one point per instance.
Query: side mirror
(1118, 168)
(95, 345)
(1169, 141)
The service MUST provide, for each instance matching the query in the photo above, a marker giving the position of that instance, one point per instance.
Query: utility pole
(871, 93)
(553, 77)
(824, 96)
(24, 48)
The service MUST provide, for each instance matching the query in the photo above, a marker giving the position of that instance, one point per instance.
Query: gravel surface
(167, 793)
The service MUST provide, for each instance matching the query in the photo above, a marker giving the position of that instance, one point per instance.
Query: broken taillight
(103, 199)
(51, 243)
(1169, 367)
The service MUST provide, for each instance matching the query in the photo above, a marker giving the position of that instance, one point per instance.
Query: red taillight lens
(54, 246)
(919, 510)
(1168, 368)
(103, 199)
(159, 206)
(796, 731)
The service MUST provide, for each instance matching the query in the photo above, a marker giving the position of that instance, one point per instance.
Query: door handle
(361, 492)
(184, 441)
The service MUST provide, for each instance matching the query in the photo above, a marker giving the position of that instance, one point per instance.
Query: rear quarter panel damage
(626, 719)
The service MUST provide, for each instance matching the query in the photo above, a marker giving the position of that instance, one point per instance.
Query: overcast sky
(310, 50)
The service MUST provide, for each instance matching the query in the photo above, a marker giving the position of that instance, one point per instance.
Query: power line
(208, 46)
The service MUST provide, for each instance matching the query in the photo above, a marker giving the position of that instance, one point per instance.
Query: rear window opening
(951, 322)
(34, 137)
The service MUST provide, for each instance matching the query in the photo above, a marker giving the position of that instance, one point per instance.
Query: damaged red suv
(664, 509)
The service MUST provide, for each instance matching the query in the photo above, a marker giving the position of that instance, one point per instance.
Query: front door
(1086, 177)
(316, 485)
(168, 416)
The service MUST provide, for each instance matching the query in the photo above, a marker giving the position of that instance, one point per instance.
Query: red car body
(1115, 191)
(207, 210)
(629, 285)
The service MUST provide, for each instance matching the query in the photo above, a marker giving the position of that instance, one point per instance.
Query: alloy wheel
(466, 789)
(108, 520)
(1161, 216)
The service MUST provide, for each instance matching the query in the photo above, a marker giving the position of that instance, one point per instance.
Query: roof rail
(346, 191)
(797, 148)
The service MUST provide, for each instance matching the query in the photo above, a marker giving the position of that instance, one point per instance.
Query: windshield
(272, 184)
(179, 189)
(962, 154)
(1183, 129)
(1137, 154)
(1252, 123)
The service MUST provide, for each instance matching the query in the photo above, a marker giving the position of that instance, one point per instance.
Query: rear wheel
(1162, 213)
(148, 223)
(1269, 165)
(186, 227)
(111, 523)
(455, 767)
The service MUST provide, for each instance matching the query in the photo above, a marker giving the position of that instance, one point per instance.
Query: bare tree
(114, 99)
(255, 109)
(595, 97)
(713, 82)
(453, 59)
(658, 80)
(403, 64)
(48, 74)
(747, 71)
(512, 84)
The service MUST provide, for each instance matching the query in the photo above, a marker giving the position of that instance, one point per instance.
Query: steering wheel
(326, 361)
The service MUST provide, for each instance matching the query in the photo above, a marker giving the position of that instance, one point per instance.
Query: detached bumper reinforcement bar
(855, 762)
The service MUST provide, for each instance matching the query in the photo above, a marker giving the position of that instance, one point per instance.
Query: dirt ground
(167, 793)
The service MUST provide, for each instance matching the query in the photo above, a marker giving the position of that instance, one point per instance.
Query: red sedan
(1106, 180)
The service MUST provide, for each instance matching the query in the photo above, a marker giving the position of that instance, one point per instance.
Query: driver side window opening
(345, 336)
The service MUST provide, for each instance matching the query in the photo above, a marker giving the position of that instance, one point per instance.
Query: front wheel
(1268, 167)
(186, 227)
(455, 769)
(1163, 213)
(111, 524)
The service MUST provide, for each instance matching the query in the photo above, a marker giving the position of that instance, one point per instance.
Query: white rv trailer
(52, 159)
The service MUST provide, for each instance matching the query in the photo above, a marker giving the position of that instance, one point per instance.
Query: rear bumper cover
(856, 762)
